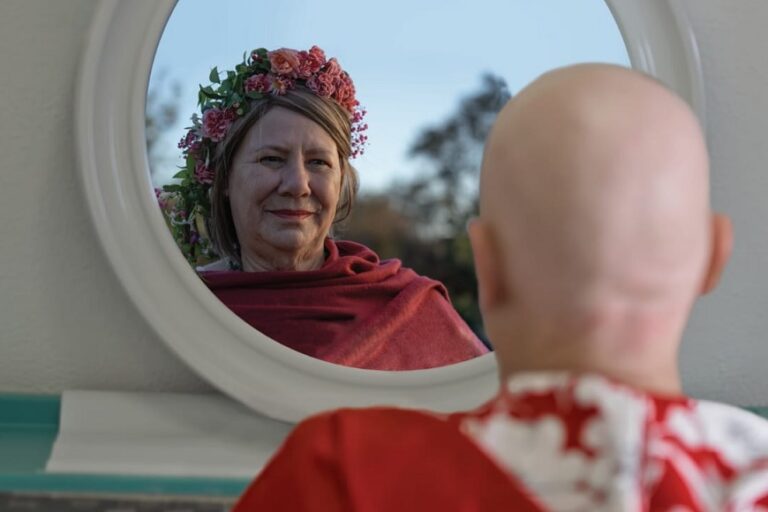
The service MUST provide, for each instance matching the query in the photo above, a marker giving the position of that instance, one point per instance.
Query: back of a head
(594, 184)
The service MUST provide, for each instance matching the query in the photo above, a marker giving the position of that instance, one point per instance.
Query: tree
(423, 221)
(161, 114)
(444, 195)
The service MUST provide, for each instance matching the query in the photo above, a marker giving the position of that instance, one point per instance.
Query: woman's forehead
(281, 127)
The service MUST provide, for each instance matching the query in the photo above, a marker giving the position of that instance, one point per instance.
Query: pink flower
(333, 68)
(358, 115)
(317, 54)
(359, 139)
(358, 143)
(322, 84)
(280, 85)
(188, 140)
(345, 92)
(203, 174)
(194, 148)
(310, 62)
(216, 122)
(285, 62)
(258, 83)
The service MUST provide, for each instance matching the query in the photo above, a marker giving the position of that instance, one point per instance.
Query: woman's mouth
(291, 214)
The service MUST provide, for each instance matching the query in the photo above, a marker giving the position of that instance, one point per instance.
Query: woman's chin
(291, 241)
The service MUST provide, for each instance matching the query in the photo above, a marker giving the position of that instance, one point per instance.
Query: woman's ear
(491, 285)
(720, 253)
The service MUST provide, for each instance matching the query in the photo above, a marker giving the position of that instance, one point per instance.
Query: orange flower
(285, 62)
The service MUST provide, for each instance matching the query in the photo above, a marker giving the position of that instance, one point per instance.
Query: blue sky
(411, 60)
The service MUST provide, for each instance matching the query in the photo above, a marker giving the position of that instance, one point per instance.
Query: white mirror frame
(263, 374)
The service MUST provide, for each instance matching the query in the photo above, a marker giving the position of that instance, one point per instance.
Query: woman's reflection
(267, 175)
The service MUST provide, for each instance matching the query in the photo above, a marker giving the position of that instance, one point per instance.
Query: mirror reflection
(322, 185)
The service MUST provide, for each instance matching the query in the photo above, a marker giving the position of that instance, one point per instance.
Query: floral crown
(187, 204)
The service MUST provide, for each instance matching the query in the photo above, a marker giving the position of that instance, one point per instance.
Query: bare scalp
(595, 188)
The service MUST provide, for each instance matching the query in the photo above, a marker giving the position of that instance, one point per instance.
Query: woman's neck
(282, 261)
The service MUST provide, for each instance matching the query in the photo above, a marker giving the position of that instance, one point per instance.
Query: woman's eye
(270, 160)
(318, 161)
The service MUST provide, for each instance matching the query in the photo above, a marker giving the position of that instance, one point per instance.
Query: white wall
(66, 323)
(64, 320)
(725, 354)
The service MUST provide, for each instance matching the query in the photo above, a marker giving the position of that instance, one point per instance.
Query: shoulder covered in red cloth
(381, 459)
(356, 311)
(547, 441)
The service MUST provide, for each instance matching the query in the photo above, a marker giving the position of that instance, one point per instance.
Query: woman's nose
(294, 179)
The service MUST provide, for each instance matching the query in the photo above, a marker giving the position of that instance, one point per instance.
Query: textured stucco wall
(64, 320)
(725, 354)
(66, 323)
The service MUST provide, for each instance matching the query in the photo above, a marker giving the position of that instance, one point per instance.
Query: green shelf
(28, 428)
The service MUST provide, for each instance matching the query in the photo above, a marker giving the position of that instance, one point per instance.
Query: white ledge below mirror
(263, 374)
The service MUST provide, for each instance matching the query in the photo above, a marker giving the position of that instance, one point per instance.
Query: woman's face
(283, 189)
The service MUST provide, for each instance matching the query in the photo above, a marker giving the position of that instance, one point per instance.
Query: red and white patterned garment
(548, 441)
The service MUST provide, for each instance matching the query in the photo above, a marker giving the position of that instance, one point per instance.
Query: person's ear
(491, 288)
(722, 246)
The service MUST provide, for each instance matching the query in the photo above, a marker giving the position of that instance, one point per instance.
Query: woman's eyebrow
(312, 151)
(272, 147)
(319, 151)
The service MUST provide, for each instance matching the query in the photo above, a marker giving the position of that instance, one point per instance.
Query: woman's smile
(291, 214)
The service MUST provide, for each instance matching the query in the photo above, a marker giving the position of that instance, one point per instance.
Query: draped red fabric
(356, 311)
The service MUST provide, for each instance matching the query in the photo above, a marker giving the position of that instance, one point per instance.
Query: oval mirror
(412, 88)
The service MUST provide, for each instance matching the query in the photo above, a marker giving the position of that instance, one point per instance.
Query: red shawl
(356, 311)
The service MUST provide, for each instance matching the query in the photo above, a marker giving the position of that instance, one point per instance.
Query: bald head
(594, 187)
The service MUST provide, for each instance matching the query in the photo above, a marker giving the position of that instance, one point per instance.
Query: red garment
(386, 460)
(547, 442)
(356, 311)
